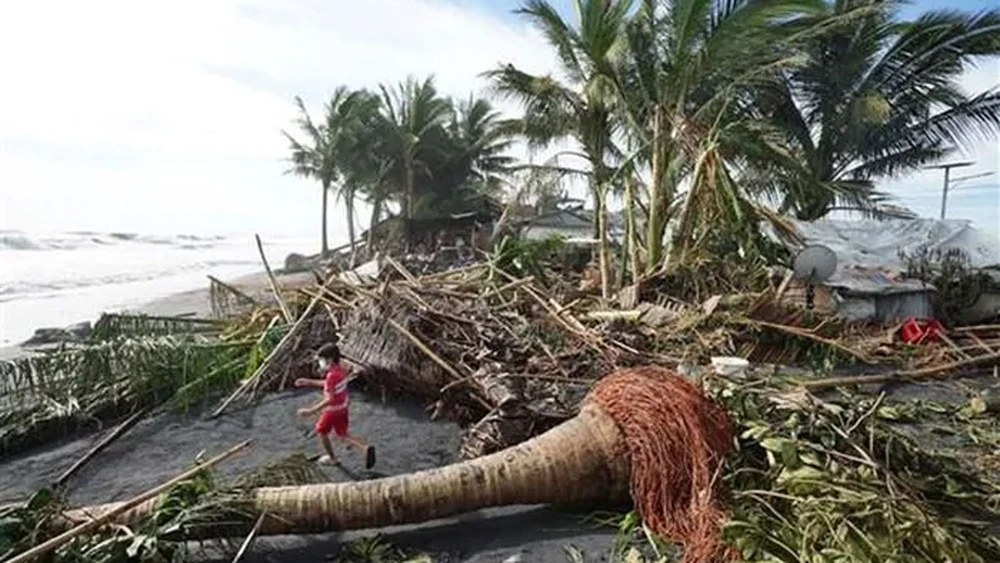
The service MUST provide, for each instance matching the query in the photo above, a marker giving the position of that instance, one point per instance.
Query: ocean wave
(19, 289)
(22, 241)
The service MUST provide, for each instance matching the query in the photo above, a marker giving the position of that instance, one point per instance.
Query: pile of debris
(497, 353)
(510, 357)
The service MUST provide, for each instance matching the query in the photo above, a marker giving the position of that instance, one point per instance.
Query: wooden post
(274, 282)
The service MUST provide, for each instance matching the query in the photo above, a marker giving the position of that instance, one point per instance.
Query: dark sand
(163, 446)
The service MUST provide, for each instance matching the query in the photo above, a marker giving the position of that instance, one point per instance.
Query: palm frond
(974, 119)
(558, 33)
(48, 396)
(114, 325)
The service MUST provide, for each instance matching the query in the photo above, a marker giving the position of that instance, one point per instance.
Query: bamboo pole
(795, 331)
(423, 348)
(250, 538)
(274, 283)
(436, 358)
(265, 364)
(263, 335)
(924, 373)
(105, 517)
(401, 269)
(631, 315)
(98, 448)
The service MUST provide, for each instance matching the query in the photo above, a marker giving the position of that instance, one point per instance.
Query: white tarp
(868, 250)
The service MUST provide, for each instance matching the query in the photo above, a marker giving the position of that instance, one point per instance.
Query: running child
(334, 406)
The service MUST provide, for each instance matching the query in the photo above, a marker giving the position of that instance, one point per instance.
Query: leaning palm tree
(358, 151)
(328, 144)
(581, 108)
(643, 431)
(878, 99)
(374, 171)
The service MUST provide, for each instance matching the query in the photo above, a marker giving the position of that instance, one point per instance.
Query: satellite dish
(814, 264)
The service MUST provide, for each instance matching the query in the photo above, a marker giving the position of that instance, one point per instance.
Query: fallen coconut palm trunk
(541, 470)
(644, 430)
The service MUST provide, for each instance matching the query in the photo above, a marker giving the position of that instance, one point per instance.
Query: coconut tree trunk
(409, 187)
(349, 210)
(658, 197)
(583, 460)
(602, 240)
(372, 222)
(325, 243)
(631, 237)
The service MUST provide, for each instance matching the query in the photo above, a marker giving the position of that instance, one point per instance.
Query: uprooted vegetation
(827, 474)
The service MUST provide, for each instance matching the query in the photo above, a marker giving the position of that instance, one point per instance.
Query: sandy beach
(165, 444)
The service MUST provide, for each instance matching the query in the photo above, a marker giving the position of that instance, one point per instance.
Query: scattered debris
(509, 348)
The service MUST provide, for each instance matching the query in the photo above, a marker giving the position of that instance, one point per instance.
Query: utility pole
(944, 190)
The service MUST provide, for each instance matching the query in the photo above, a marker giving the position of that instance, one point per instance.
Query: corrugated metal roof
(868, 260)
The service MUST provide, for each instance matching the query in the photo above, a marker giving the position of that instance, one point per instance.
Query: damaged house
(870, 282)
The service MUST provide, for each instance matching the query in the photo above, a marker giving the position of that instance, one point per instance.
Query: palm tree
(358, 152)
(878, 99)
(582, 460)
(482, 142)
(328, 145)
(313, 158)
(581, 108)
(375, 170)
(468, 163)
(416, 115)
(682, 96)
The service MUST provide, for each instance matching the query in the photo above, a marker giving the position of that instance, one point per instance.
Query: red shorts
(335, 420)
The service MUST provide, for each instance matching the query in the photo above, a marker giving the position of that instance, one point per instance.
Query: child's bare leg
(354, 441)
(328, 447)
(363, 446)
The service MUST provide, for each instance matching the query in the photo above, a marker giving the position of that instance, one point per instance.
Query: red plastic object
(915, 331)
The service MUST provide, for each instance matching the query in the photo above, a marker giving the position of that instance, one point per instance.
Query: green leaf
(755, 432)
(790, 454)
(803, 473)
(776, 445)
(890, 413)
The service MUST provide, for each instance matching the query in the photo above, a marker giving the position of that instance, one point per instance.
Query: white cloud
(165, 115)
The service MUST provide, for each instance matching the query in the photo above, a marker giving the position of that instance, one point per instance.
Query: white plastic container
(730, 366)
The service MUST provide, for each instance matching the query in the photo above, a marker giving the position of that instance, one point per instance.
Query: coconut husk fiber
(677, 441)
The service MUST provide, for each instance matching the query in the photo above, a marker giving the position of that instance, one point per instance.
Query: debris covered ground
(903, 461)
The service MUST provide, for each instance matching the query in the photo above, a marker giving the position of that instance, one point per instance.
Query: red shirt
(335, 388)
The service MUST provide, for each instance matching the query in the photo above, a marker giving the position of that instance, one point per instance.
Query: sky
(165, 116)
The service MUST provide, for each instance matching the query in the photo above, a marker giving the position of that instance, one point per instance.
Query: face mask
(324, 364)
